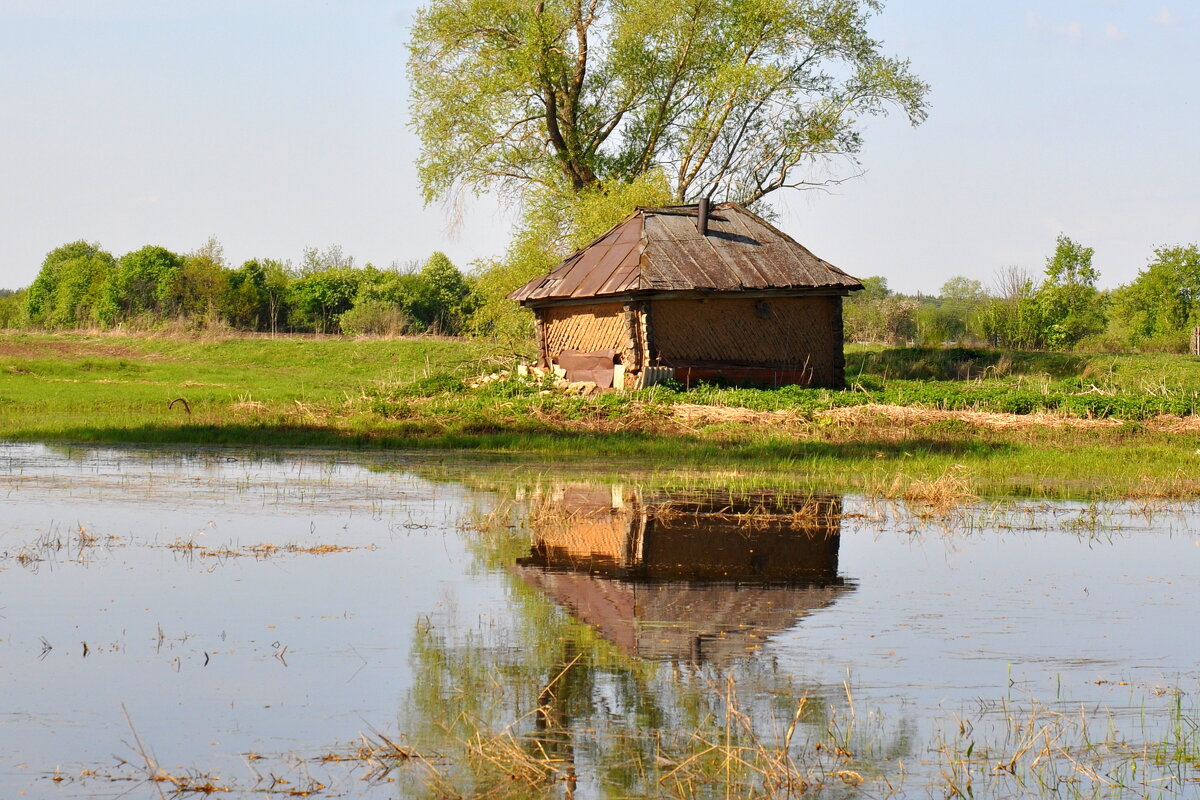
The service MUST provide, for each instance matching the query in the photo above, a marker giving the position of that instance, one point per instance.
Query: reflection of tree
(548, 706)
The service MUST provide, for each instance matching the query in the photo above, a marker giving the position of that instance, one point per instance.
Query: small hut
(692, 293)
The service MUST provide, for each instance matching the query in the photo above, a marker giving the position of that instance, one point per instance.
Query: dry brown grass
(248, 407)
(908, 416)
(943, 496)
(710, 415)
(263, 550)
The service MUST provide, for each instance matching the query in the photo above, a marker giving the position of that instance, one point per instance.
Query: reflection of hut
(684, 293)
(683, 578)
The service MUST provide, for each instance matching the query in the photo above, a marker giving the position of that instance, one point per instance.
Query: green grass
(51, 386)
(413, 394)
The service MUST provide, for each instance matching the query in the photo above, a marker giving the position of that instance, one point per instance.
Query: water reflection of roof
(687, 578)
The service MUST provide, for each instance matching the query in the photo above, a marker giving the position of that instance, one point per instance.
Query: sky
(276, 125)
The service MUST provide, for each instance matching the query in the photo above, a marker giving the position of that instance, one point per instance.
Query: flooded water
(343, 625)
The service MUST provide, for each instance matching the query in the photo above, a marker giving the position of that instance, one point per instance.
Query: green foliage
(876, 315)
(953, 316)
(435, 299)
(246, 303)
(441, 298)
(1162, 304)
(70, 289)
(142, 283)
(199, 288)
(939, 322)
(319, 298)
(962, 291)
(1069, 305)
(1013, 322)
(1058, 313)
(81, 285)
(331, 257)
(875, 287)
(277, 286)
(734, 100)
(374, 317)
(553, 227)
(13, 308)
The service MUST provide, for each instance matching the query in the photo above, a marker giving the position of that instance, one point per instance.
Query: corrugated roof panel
(631, 231)
(621, 281)
(693, 254)
(625, 277)
(661, 250)
(749, 253)
(659, 270)
(670, 269)
(609, 263)
(587, 265)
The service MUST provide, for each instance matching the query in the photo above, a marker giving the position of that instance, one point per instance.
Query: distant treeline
(81, 285)
(1062, 310)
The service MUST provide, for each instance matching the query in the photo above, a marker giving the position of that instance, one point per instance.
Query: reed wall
(784, 332)
(586, 328)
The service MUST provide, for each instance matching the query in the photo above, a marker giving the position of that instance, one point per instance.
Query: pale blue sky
(277, 125)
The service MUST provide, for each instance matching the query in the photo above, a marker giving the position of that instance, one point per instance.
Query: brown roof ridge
(745, 252)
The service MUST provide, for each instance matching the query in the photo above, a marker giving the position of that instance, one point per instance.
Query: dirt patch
(65, 348)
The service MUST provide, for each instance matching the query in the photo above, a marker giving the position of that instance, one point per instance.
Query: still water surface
(244, 619)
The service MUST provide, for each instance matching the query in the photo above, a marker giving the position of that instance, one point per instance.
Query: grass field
(912, 421)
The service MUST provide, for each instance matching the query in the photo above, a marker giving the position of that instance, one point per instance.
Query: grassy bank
(987, 422)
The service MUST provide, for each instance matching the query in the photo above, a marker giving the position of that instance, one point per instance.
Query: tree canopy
(727, 99)
(1164, 300)
(68, 289)
(1068, 296)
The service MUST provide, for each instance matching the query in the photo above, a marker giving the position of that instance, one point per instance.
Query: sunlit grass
(415, 395)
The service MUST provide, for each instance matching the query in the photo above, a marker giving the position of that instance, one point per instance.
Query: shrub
(375, 318)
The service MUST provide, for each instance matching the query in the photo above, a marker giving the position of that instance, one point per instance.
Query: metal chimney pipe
(702, 216)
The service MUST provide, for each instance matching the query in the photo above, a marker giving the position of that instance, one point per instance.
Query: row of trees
(572, 111)
(1060, 311)
(82, 285)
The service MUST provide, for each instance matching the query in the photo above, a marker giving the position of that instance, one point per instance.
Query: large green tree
(198, 288)
(732, 99)
(1163, 302)
(141, 283)
(69, 288)
(246, 303)
(1071, 307)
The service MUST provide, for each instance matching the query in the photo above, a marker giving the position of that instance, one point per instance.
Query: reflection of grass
(720, 745)
(1039, 751)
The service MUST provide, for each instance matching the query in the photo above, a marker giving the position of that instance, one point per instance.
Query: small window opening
(763, 308)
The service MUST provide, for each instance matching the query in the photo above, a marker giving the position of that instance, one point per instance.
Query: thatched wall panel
(795, 331)
(588, 329)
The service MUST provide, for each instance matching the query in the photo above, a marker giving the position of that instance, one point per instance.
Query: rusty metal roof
(661, 250)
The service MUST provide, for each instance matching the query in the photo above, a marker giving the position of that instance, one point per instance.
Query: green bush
(375, 318)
